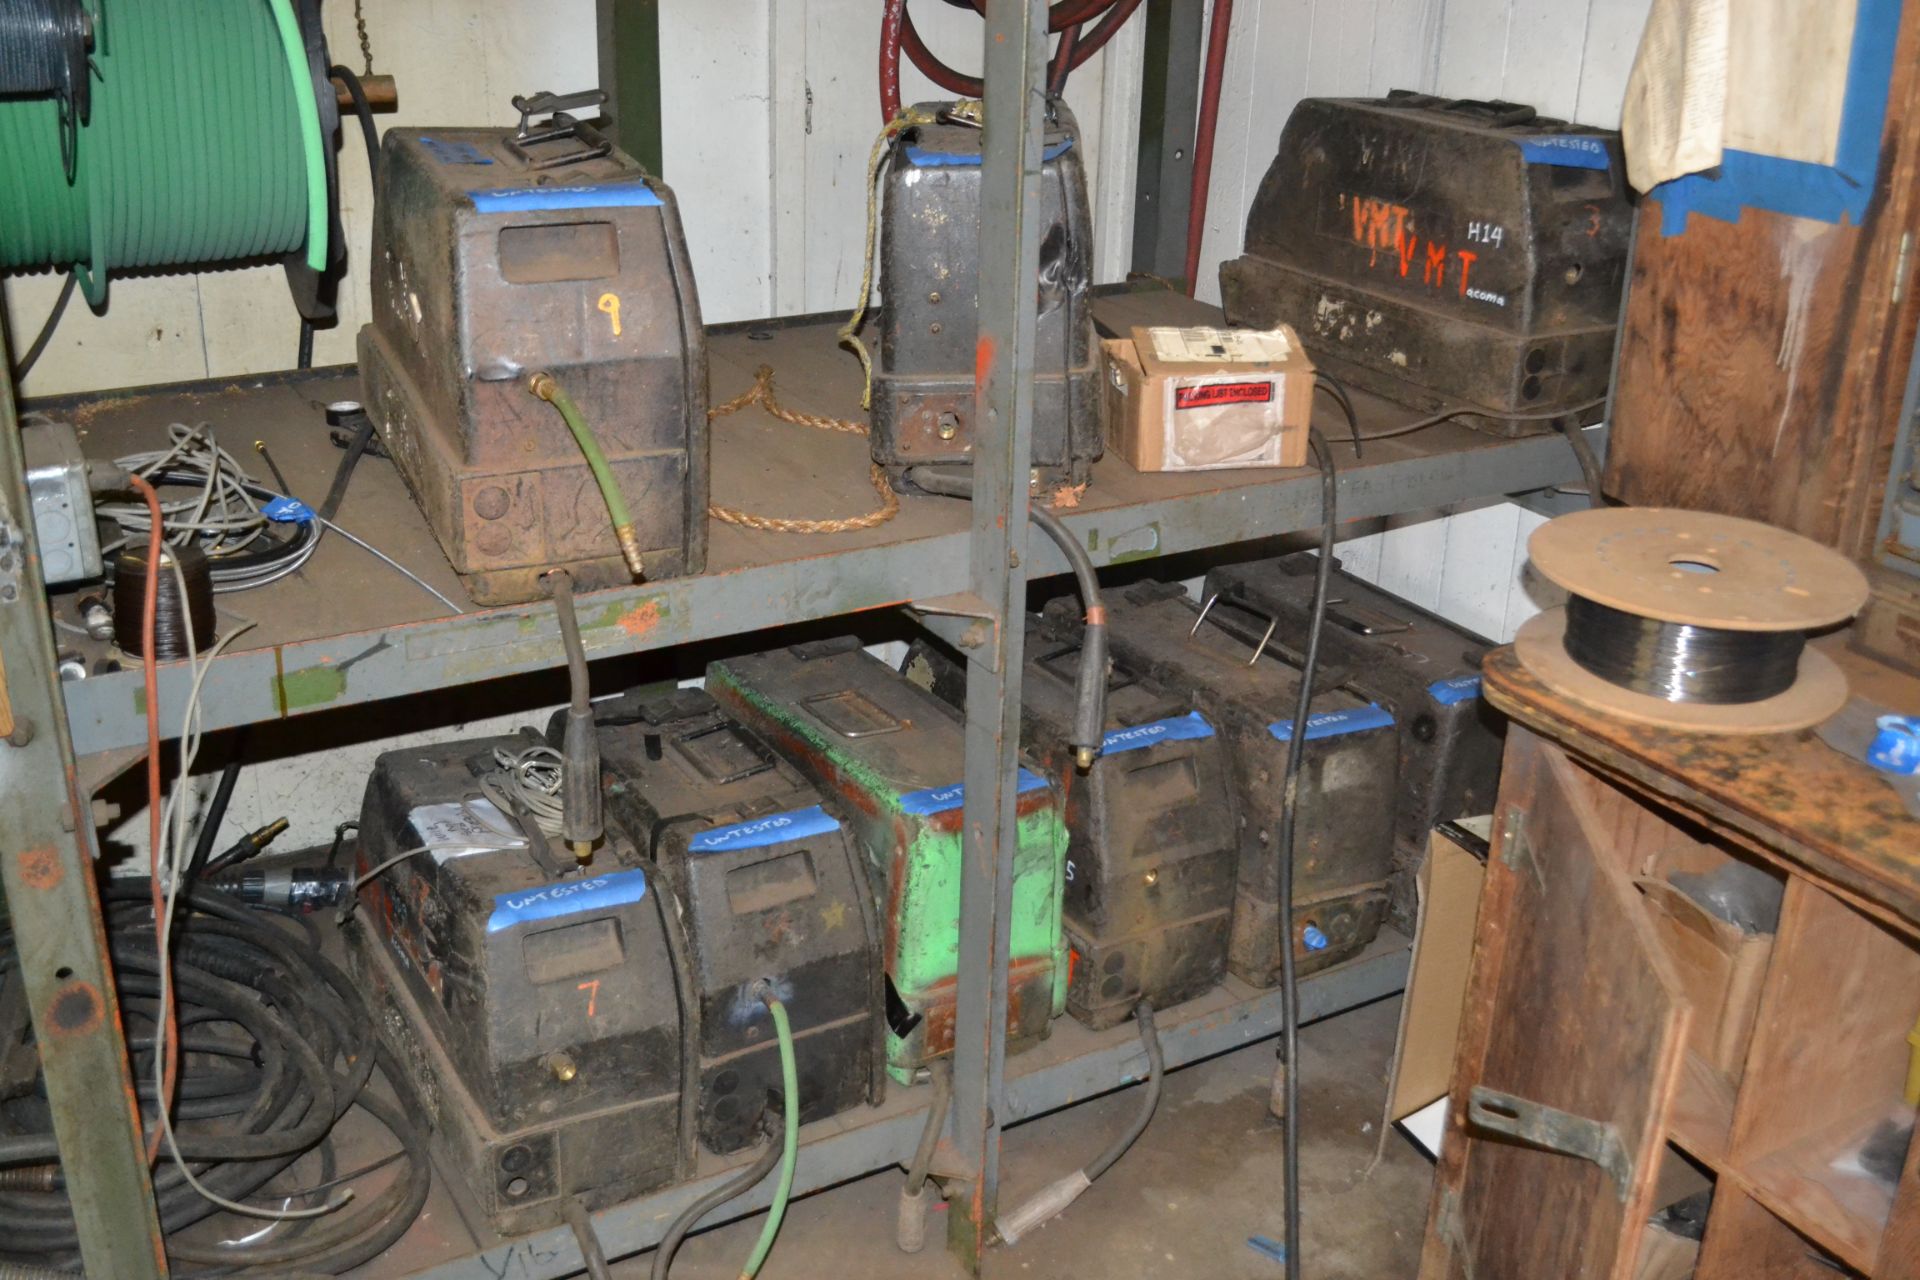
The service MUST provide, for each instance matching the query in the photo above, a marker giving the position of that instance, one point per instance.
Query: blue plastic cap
(1315, 940)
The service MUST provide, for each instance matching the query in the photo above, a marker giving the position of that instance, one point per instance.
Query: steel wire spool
(172, 615)
(1679, 662)
(203, 143)
(1690, 620)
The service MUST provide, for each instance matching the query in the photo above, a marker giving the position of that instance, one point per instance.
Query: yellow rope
(909, 117)
(761, 394)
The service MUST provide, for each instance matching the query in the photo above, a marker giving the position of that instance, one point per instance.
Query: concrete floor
(1204, 1177)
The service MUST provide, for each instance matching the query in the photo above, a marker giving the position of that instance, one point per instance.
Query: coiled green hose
(204, 145)
(790, 1149)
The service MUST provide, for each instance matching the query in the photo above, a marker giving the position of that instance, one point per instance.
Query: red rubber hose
(954, 82)
(1062, 63)
(891, 19)
(1203, 135)
(1067, 17)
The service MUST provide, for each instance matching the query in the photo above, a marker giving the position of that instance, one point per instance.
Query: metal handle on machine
(559, 124)
(1273, 623)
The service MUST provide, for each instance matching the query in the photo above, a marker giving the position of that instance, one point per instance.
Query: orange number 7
(592, 988)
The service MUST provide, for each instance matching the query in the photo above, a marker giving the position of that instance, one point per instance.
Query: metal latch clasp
(1552, 1129)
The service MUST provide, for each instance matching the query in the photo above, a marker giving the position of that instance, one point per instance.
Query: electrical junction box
(494, 259)
(1423, 669)
(891, 759)
(772, 887)
(1150, 830)
(926, 369)
(1349, 776)
(1443, 254)
(537, 1012)
(63, 525)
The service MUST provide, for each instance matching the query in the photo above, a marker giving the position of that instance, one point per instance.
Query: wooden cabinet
(1608, 1032)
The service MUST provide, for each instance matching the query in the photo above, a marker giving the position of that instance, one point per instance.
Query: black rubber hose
(680, 953)
(1583, 452)
(342, 474)
(215, 815)
(27, 361)
(754, 1175)
(1289, 821)
(1156, 1076)
(1090, 703)
(1338, 390)
(369, 133)
(303, 356)
(586, 1237)
(580, 821)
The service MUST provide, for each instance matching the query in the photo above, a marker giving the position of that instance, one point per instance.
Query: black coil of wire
(43, 53)
(278, 1045)
(171, 615)
(1677, 662)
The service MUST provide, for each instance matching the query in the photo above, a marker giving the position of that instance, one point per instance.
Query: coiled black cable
(1676, 662)
(278, 1045)
(43, 53)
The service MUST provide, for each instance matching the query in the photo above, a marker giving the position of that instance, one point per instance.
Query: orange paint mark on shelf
(641, 619)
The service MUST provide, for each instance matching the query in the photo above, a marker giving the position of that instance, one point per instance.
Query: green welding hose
(308, 109)
(790, 1097)
(204, 145)
(544, 386)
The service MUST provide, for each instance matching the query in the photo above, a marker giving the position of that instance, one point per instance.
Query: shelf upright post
(53, 907)
(1002, 460)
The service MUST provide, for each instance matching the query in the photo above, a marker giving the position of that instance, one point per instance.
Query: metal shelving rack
(966, 585)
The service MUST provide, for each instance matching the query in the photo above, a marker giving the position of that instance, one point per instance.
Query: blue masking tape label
(1456, 689)
(1331, 724)
(1178, 729)
(455, 152)
(567, 898)
(941, 799)
(285, 510)
(1567, 150)
(775, 828)
(925, 158)
(609, 195)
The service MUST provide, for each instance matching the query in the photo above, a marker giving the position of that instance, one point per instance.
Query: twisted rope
(761, 394)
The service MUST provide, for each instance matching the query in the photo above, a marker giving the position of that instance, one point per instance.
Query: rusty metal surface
(47, 865)
(1789, 795)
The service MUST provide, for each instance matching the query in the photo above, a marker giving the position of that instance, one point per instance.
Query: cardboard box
(1448, 885)
(1205, 399)
(1721, 969)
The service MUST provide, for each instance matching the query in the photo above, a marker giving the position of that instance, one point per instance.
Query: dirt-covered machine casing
(537, 1011)
(490, 263)
(1349, 771)
(891, 759)
(1151, 847)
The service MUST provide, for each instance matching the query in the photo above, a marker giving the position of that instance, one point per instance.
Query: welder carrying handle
(1090, 701)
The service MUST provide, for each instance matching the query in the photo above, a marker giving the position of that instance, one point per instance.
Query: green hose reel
(208, 140)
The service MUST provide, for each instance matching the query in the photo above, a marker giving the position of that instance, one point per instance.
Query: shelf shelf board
(1071, 1065)
(347, 630)
(1843, 1211)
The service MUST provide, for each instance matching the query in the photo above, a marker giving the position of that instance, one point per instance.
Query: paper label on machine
(463, 828)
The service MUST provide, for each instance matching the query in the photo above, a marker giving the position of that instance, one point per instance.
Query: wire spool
(1689, 620)
(43, 54)
(172, 614)
(205, 142)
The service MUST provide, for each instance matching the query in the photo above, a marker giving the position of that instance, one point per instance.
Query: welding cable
(580, 817)
(1062, 19)
(1289, 823)
(1338, 391)
(591, 1254)
(280, 1047)
(790, 1142)
(1219, 26)
(149, 670)
(369, 132)
(1435, 419)
(1050, 1201)
(751, 1177)
(27, 361)
(1090, 697)
(216, 814)
(680, 955)
(1583, 453)
(544, 386)
(910, 1220)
